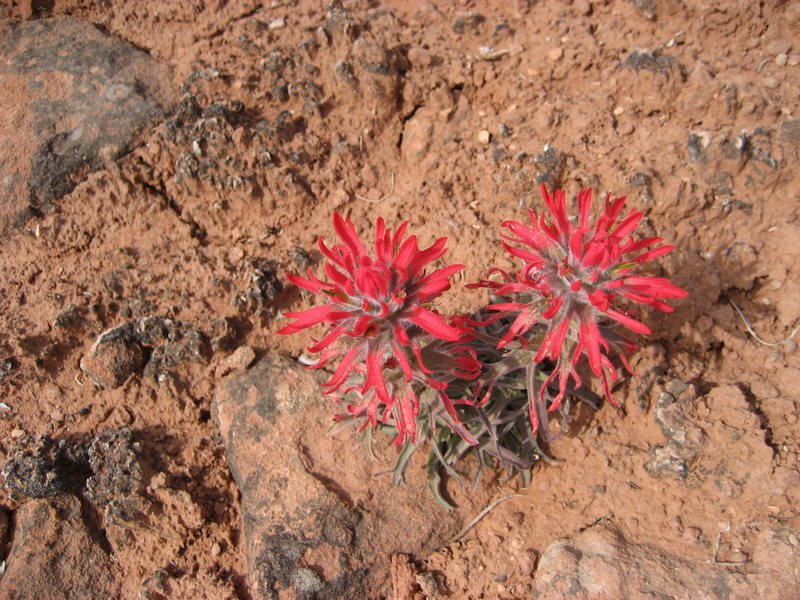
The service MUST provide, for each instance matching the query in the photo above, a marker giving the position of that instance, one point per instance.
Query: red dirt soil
(455, 144)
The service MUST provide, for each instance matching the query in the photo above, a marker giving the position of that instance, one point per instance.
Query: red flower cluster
(575, 274)
(378, 318)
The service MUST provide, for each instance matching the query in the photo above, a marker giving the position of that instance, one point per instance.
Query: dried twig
(788, 340)
(482, 514)
(382, 198)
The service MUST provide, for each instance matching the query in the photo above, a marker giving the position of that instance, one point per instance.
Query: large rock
(317, 522)
(600, 563)
(73, 98)
(58, 554)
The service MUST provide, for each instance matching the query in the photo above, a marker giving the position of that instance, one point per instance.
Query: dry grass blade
(482, 514)
(382, 198)
(788, 340)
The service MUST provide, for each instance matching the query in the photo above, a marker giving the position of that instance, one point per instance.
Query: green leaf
(435, 484)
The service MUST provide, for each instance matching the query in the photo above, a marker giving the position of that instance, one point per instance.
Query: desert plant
(489, 379)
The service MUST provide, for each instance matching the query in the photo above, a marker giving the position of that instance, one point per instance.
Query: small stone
(17, 433)
(277, 23)
(235, 254)
(781, 60)
(419, 57)
(779, 46)
(582, 7)
(241, 358)
(338, 197)
(216, 550)
(737, 557)
(555, 54)
(484, 137)
(57, 416)
(692, 534)
(771, 83)
(618, 111)
(625, 128)
(489, 53)
(240, 137)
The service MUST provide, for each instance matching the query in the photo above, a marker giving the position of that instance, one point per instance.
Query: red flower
(576, 274)
(377, 317)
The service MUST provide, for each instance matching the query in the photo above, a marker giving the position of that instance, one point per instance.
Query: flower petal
(433, 324)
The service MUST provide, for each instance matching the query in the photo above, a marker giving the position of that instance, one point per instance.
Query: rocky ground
(163, 164)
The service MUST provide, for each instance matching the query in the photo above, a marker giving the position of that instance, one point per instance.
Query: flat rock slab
(317, 522)
(73, 98)
(600, 564)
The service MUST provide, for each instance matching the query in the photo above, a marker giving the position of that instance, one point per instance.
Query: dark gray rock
(154, 345)
(685, 439)
(117, 484)
(654, 61)
(468, 22)
(550, 166)
(79, 96)
(40, 467)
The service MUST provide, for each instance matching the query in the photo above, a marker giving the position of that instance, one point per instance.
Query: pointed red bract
(378, 315)
(575, 275)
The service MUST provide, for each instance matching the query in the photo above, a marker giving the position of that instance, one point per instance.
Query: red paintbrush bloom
(377, 317)
(576, 274)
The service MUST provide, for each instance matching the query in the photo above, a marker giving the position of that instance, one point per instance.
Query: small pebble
(57, 415)
(17, 433)
(625, 128)
(239, 360)
(691, 534)
(216, 550)
(582, 7)
(779, 47)
(235, 255)
(277, 23)
(555, 53)
(738, 557)
(618, 111)
(781, 60)
(484, 136)
(420, 57)
(771, 83)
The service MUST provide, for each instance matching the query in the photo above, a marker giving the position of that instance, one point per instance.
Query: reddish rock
(600, 563)
(79, 98)
(317, 522)
(57, 554)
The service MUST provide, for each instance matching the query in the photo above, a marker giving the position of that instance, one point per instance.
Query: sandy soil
(392, 109)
